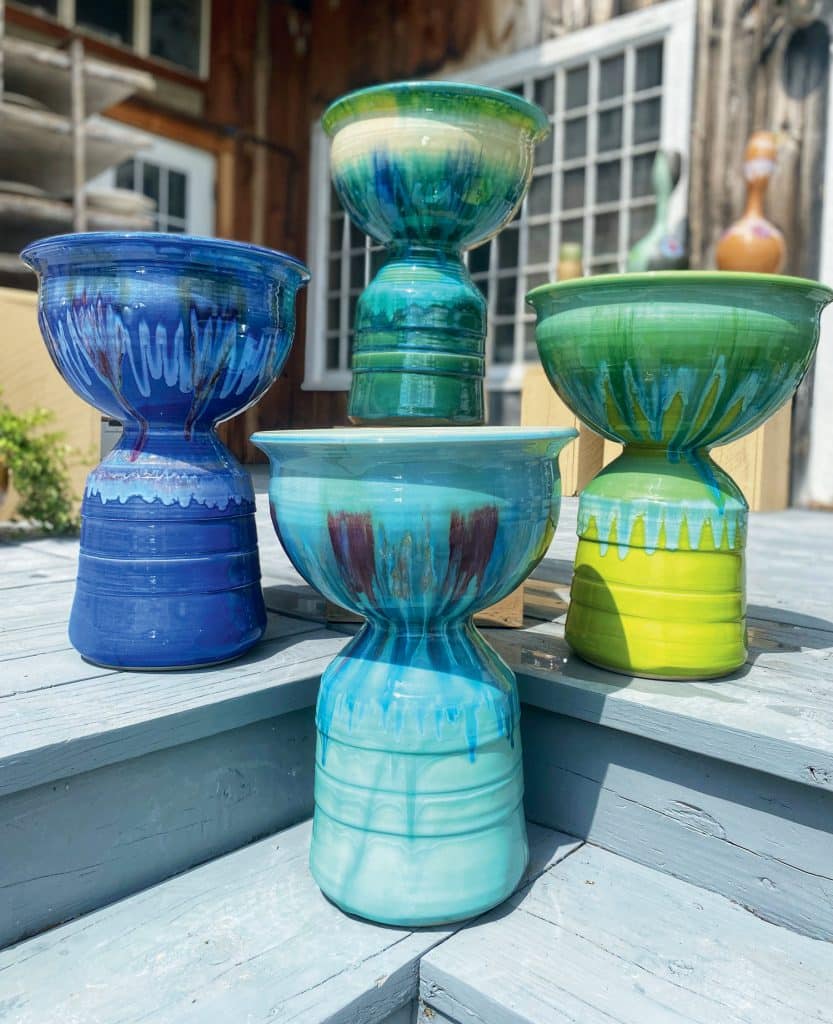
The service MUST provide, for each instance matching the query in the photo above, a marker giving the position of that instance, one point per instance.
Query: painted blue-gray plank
(248, 937)
(600, 940)
(74, 845)
(762, 841)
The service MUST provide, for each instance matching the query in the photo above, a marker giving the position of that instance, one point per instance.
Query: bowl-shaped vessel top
(677, 359)
(415, 526)
(434, 162)
(165, 329)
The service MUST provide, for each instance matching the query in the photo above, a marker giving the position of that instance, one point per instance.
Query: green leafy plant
(36, 459)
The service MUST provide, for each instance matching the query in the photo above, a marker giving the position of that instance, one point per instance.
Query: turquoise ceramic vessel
(418, 791)
(428, 169)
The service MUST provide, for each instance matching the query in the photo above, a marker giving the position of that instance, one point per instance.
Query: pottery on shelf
(570, 263)
(428, 169)
(670, 364)
(418, 787)
(752, 243)
(664, 246)
(171, 335)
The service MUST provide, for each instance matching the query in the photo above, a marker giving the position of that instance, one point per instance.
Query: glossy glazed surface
(428, 169)
(170, 334)
(418, 793)
(753, 243)
(670, 364)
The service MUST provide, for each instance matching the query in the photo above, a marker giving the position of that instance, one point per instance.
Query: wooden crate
(508, 613)
(758, 463)
(541, 407)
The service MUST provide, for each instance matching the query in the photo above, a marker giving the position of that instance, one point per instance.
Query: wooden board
(758, 840)
(600, 940)
(508, 613)
(247, 937)
(541, 407)
(758, 463)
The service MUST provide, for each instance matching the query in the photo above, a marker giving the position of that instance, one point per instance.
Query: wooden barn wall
(754, 69)
(760, 68)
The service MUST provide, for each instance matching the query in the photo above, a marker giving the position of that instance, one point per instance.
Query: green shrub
(37, 462)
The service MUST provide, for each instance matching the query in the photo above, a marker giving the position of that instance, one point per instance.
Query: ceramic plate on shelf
(22, 188)
(120, 200)
(17, 99)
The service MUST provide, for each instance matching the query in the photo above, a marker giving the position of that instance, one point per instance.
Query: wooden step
(111, 781)
(729, 783)
(248, 937)
(598, 939)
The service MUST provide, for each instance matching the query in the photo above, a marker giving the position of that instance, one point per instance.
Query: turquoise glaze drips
(670, 364)
(428, 169)
(418, 792)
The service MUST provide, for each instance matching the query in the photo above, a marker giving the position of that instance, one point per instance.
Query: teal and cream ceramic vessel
(428, 169)
(670, 364)
(418, 784)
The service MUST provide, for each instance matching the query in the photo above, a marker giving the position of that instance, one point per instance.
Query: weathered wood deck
(113, 781)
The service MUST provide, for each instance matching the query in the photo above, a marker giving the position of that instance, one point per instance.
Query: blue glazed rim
(102, 247)
(408, 97)
(364, 436)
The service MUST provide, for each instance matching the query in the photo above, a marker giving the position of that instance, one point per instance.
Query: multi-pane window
(167, 188)
(178, 178)
(172, 30)
(611, 106)
(352, 260)
(591, 184)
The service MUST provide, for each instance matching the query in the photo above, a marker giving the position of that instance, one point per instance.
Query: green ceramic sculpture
(670, 364)
(429, 169)
(664, 247)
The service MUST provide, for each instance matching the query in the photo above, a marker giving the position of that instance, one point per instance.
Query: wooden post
(262, 72)
(2, 38)
(541, 407)
(79, 156)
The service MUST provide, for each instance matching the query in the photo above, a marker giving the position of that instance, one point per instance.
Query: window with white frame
(614, 94)
(176, 31)
(179, 179)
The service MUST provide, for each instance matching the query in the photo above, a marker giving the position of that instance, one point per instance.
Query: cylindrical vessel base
(659, 582)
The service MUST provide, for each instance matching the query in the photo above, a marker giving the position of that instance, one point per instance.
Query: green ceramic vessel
(428, 169)
(670, 364)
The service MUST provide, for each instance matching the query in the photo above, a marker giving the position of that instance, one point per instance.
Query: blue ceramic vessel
(418, 788)
(171, 335)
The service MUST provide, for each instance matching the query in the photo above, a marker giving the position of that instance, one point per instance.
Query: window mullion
(141, 27)
(66, 12)
(592, 152)
(557, 171)
(627, 156)
(520, 268)
(344, 296)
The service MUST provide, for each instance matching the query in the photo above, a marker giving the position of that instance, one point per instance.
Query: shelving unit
(59, 149)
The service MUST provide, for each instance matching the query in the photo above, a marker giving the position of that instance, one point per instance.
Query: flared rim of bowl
(363, 436)
(198, 250)
(652, 279)
(394, 97)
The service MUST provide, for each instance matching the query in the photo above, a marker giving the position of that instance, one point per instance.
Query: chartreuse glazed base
(670, 364)
(428, 169)
(418, 784)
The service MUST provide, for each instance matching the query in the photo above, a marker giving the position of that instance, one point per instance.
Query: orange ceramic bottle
(753, 243)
